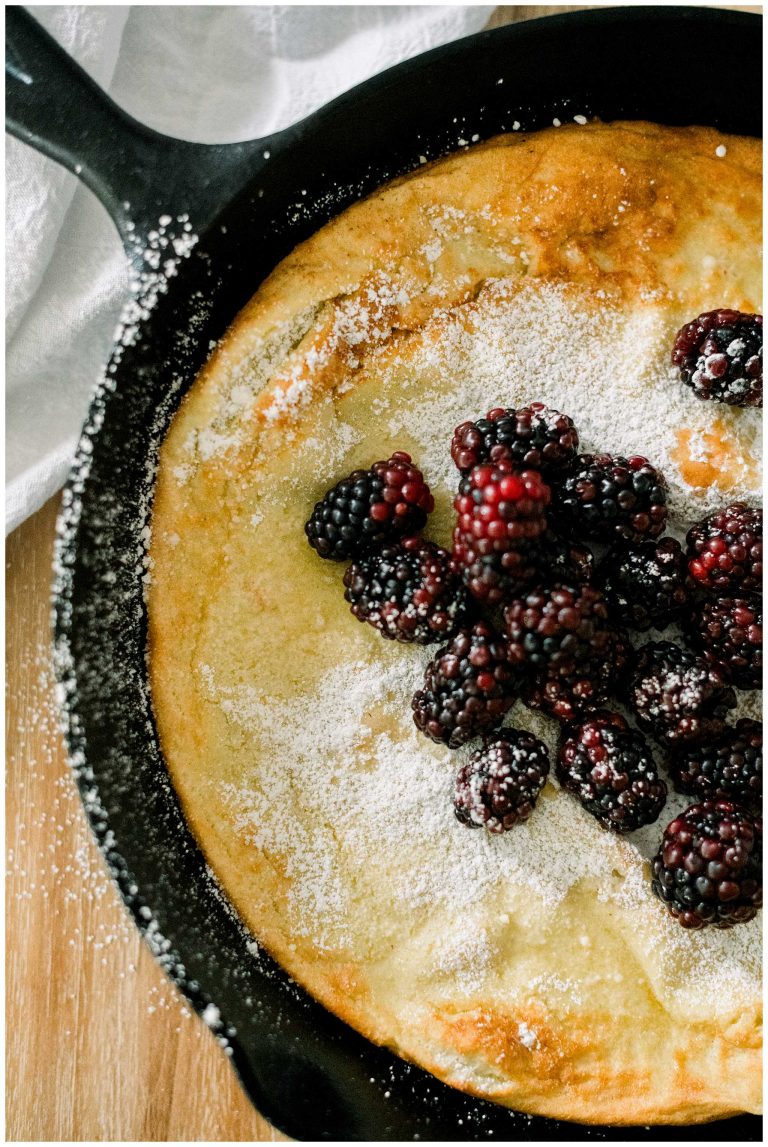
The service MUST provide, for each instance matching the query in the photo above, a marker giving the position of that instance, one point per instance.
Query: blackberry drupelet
(645, 583)
(728, 632)
(563, 638)
(600, 719)
(731, 768)
(720, 355)
(677, 697)
(499, 785)
(612, 772)
(370, 506)
(708, 870)
(725, 550)
(606, 497)
(532, 437)
(408, 590)
(468, 687)
(500, 515)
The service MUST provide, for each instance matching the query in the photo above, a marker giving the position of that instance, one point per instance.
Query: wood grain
(99, 1045)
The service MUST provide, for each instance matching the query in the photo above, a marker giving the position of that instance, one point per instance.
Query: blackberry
(728, 632)
(725, 551)
(731, 768)
(562, 559)
(612, 772)
(468, 687)
(708, 870)
(645, 583)
(498, 786)
(607, 496)
(408, 590)
(530, 438)
(370, 506)
(720, 355)
(500, 514)
(563, 637)
(677, 697)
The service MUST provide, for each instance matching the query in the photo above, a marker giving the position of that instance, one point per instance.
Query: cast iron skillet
(310, 1074)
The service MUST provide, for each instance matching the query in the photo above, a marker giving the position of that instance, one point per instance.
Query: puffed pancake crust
(534, 968)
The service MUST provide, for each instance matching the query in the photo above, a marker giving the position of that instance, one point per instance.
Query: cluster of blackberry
(526, 613)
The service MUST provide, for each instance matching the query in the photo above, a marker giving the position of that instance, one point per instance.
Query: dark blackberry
(562, 636)
(720, 355)
(728, 632)
(562, 560)
(725, 551)
(500, 514)
(498, 786)
(731, 768)
(607, 496)
(612, 772)
(645, 583)
(468, 687)
(370, 506)
(677, 697)
(708, 870)
(408, 590)
(530, 438)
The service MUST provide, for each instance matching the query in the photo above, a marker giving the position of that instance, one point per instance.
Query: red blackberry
(408, 590)
(708, 870)
(500, 514)
(677, 697)
(612, 772)
(728, 632)
(530, 438)
(607, 496)
(725, 551)
(720, 355)
(468, 687)
(563, 637)
(498, 786)
(370, 506)
(645, 583)
(731, 768)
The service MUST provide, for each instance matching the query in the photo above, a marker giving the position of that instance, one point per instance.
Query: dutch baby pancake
(536, 967)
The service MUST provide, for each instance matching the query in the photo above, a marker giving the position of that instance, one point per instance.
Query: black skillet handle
(138, 174)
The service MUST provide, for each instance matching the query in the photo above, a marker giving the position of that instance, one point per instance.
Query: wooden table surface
(99, 1045)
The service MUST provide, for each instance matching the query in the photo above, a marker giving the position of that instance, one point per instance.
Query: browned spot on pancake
(506, 1042)
(713, 458)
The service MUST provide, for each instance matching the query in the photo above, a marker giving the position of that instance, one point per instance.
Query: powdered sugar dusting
(605, 366)
(355, 791)
(528, 1037)
(399, 797)
(463, 957)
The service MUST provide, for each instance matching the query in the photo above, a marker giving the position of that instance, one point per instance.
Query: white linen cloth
(213, 74)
